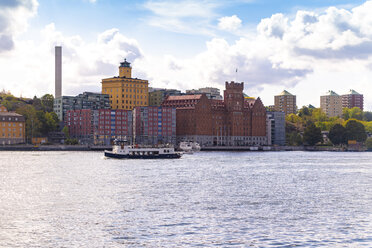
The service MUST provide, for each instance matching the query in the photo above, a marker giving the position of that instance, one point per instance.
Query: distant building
(12, 127)
(331, 104)
(285, 102)
(87, 100)
(143, 125)
(157, 96)
(233, 121)
(126, 92)
(211, 93)
(353, 99)
(154, 125)
(277, 127)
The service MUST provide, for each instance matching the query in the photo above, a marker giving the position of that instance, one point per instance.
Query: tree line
(305, 127)
(38, 113)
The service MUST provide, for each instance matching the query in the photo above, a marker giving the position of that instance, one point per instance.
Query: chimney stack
(58, 71)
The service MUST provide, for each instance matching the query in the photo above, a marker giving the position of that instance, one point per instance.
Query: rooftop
(352, 92)
(184, 97)
(285, 93)
(331, 93)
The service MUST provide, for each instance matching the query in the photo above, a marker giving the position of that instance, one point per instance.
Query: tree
(355, 131)
(353, 113)
(367, 116)
(369, 143)
(33, 125)
(47, 102)
(312, 134)
(66, 132)
(337, 134)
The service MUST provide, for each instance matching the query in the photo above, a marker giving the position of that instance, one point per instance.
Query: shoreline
(214, 148)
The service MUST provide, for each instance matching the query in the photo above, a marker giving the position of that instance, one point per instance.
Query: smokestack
(58, 71)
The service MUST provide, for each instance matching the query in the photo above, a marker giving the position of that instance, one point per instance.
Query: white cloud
(229, 23)
(307, 54)
(13, 20)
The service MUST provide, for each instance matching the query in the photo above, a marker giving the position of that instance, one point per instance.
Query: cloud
(301, 51)
(229, 23)
(13, 20)
(185, 16)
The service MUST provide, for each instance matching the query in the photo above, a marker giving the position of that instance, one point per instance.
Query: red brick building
(233, 121)
(155, 125)
(352, 99)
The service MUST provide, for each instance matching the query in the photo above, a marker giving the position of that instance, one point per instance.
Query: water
(247, 199)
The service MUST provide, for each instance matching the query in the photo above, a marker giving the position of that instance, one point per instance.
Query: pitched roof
(285, 93)
(183, 97)
(331, 93)
(352, 92)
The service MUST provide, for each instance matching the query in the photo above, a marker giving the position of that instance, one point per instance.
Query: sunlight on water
(241, 199)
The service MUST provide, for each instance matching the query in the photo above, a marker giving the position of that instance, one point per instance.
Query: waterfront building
(276, 127)
(12, 127)
(331, 104)
(126, 92)
(86, 100)
(352, 99)
(211, 93)
(234, 121)
(285, 102)
(157, 95)
(154, 125)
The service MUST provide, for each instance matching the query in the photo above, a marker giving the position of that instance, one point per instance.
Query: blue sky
(302, 46)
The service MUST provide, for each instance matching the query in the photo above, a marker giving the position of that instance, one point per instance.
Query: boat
(189, 147)
(121, 150)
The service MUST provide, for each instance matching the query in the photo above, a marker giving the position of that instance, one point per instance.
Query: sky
(306, 47)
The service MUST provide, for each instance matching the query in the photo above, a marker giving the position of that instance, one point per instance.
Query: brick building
(234, 121)
(154, 125)
(353, 99)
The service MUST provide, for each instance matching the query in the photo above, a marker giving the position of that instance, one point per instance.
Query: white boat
(189, 147)
(121, 150)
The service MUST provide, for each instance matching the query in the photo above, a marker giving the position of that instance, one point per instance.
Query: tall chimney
(58, 71)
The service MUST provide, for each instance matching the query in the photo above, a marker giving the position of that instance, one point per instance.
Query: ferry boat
(121, 150)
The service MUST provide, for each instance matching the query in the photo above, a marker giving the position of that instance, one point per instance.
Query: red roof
(184, 97)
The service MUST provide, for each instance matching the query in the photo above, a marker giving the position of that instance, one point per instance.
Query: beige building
(285, 102)
(331, 104)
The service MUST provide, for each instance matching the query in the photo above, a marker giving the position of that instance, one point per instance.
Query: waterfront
(275, 199)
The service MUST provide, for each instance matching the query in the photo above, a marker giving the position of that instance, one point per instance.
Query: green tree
(312, 134)
(337, 134)
(355, 130)
(47, 102)
(66, 132)
(367, 116)
(51, 120)
(369, 143)
(36, 103)
(33, 125)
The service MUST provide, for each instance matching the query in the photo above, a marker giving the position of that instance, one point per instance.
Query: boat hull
(127, 156)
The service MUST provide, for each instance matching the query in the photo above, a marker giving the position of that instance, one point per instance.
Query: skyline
(304, 48)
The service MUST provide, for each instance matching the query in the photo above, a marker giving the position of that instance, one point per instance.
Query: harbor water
(208, 199)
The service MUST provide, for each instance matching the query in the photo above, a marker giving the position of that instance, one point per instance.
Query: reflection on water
(272, 199)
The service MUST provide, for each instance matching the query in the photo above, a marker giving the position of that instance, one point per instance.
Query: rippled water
(247, 199)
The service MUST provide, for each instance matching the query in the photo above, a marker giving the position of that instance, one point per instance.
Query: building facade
(211, 93)
(154, 125)
(331, 104)
(157, 96)
(124, 91)
(86, 100)
(233, 121)
(276, 121)
(143, 125)
(285, 102)
(12, 127)
(353, 99)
